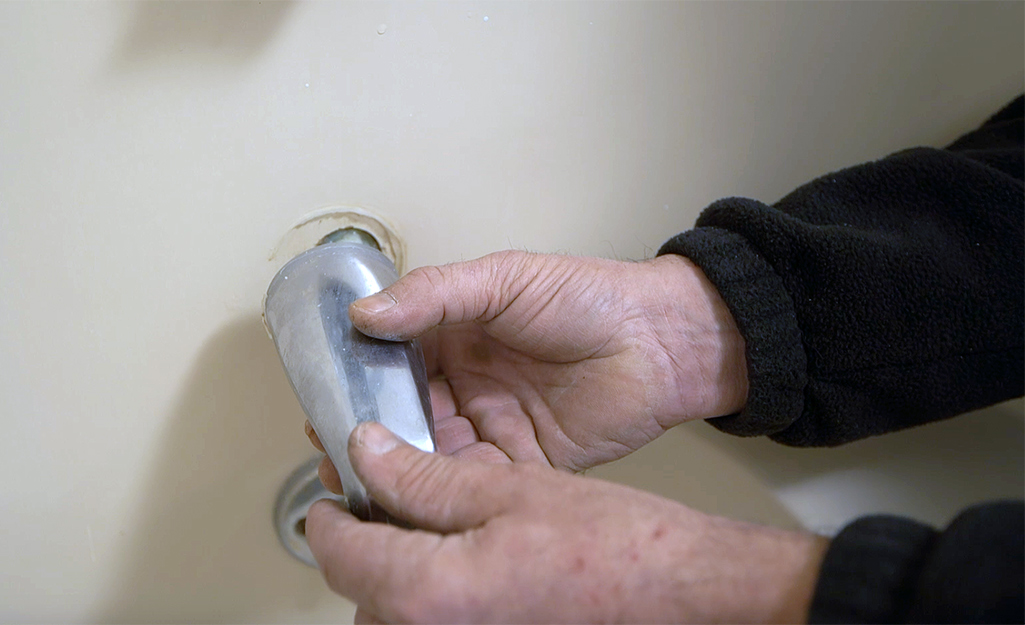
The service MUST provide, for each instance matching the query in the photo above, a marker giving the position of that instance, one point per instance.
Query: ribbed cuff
(870, 570)
(764, 313)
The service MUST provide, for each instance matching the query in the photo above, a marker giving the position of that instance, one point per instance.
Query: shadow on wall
(225, 32)
(204, 546)
(929, 473)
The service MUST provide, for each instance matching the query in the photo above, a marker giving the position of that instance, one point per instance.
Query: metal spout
(341, 376)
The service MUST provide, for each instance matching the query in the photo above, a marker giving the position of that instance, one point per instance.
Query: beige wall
(153, 155)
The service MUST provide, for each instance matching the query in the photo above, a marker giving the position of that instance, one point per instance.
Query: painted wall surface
(153, 155)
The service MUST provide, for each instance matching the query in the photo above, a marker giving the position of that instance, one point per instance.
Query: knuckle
(432, 276)
(422, 485)
(513, 264)
(507, 260)
(507, 275)
(440, 279)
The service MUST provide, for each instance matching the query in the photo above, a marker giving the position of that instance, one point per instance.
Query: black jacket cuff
(886, 569)
(765, 316)
(869, 569)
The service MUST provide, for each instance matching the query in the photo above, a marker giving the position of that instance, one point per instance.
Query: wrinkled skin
(521, 543)
(554, 362)
(567, 361)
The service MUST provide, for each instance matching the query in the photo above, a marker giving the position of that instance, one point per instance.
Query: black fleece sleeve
(878, 297)
(884, 569)
(874, 299)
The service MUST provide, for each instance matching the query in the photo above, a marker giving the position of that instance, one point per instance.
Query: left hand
(521, 542)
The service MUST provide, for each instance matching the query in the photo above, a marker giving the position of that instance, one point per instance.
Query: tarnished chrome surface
(341, 376)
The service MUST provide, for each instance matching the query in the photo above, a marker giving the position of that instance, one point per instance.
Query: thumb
(476, 290)
(431, 491)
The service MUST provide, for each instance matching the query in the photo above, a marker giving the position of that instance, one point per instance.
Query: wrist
(762, 575)
(705, 351)
(780, 571)
(792, 577)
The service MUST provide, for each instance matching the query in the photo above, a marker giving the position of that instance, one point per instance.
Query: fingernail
(376, 303)
(376, 438)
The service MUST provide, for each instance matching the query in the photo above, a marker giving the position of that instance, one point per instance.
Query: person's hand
(563, 360)
(520, 542)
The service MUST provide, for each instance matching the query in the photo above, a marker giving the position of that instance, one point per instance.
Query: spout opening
(351, 235)
(341, 223)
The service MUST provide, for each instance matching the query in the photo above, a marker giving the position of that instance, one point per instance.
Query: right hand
(522, 543)
(564, 360)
